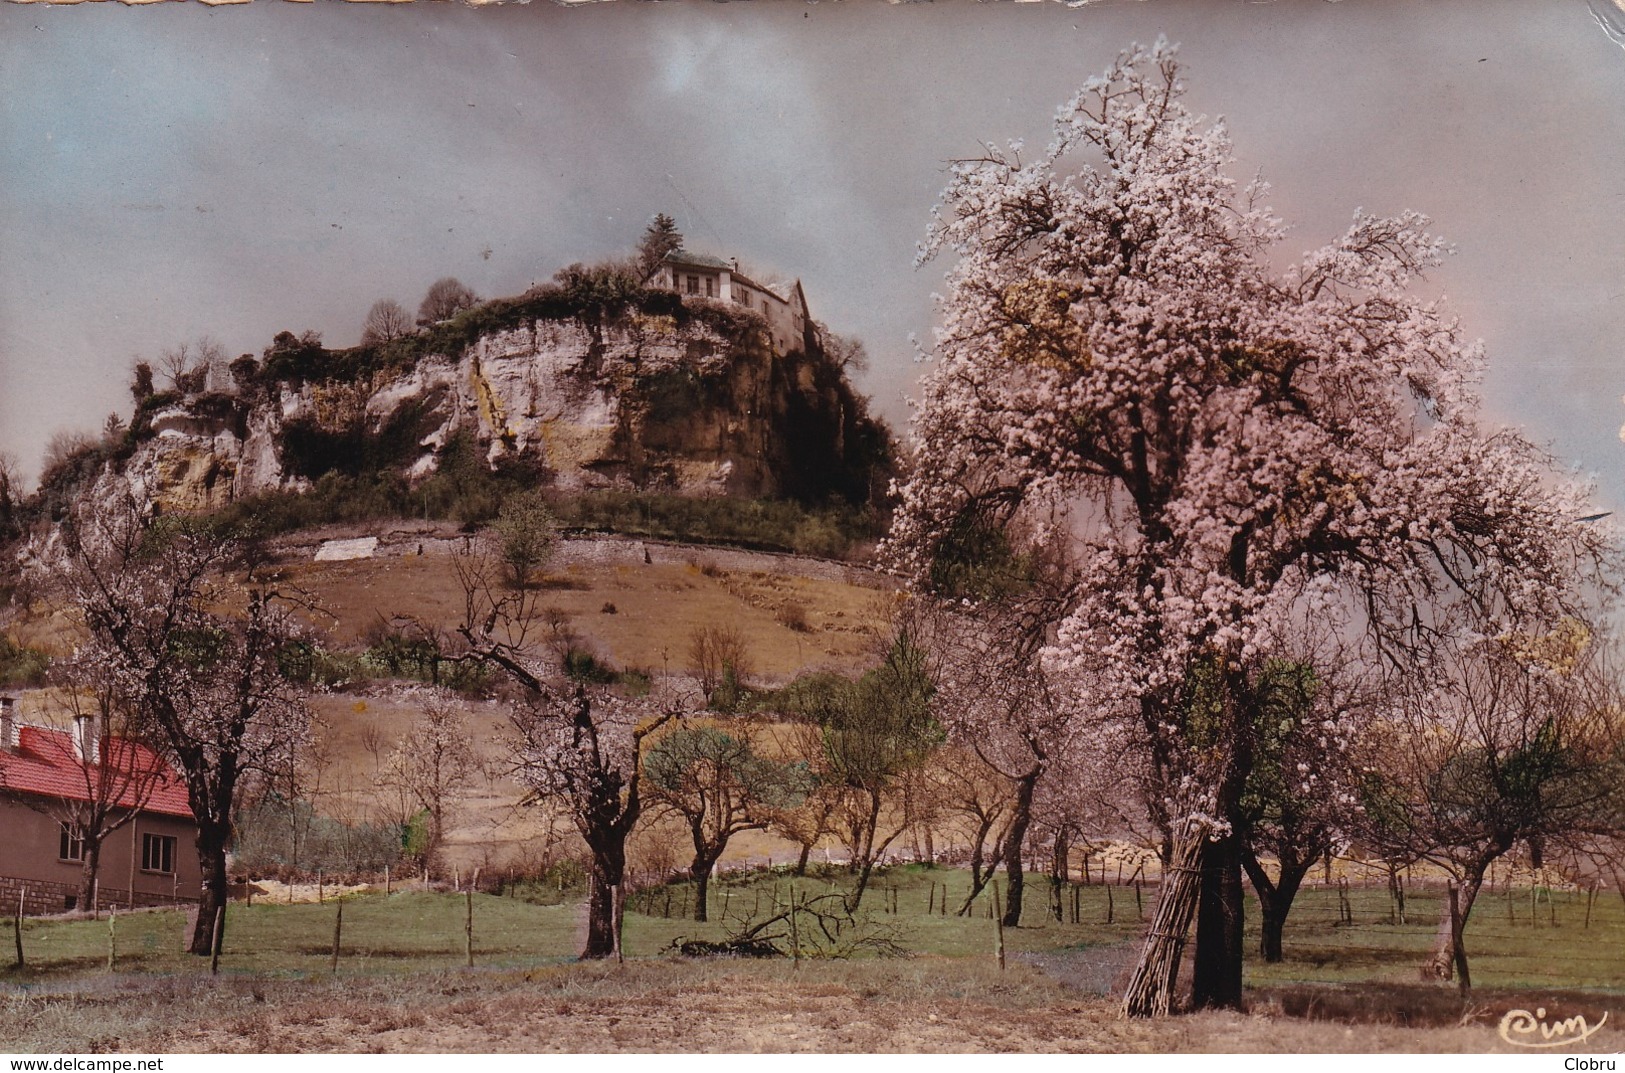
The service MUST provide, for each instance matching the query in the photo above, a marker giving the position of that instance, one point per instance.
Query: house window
(71, 846)
(710, 286)
(693, 284)
(158, 853)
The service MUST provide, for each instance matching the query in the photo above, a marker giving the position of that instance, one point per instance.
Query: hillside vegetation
(591, 383)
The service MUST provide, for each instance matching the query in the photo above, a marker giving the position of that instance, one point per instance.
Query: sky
(172, 171)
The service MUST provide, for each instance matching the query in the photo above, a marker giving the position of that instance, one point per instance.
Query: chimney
(8, 723)
(84, 739)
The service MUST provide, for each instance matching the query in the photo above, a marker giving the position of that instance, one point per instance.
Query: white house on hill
(703, 276)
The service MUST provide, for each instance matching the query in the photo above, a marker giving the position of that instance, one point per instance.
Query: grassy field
(412, 930)
(1055, 993)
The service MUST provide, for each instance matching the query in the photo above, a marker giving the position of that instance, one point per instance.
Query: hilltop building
(699, 275)
(48, 776)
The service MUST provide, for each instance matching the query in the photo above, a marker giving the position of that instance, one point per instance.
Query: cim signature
(1522, 1023)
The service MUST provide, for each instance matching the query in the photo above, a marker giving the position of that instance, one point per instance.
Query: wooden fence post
(338, 933)
(998, 917)
(468, 924)
(795, 934)
(1111, 909)
(219, 939)
(22, 893)
(616, 907)
(112, 938)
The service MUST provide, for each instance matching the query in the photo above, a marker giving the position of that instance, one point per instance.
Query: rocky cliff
(650, 392)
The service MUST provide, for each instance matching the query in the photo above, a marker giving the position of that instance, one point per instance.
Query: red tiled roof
(44, 764)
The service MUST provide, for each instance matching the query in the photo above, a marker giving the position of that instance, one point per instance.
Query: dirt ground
(916, 1005)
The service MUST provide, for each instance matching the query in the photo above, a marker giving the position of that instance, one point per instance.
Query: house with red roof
(53, 783)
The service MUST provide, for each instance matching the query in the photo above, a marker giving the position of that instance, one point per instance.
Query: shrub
(792, 614)
(404, 650)
(720, 659)
(561, 881)
(311, 664)
(764, 524)
(21, 666)
(278, 835)
(583, 666)
(524, 532)
(806, 699)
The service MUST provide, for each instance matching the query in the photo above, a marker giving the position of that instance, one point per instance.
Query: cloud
(166, 173)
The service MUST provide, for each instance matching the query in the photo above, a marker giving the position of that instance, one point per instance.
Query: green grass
(909, 888)
(413, 932)
(1502, 952)
(403, 932)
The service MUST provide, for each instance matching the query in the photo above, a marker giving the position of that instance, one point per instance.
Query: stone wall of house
(41, 897)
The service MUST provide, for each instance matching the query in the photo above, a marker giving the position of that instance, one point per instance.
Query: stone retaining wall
(43, 898)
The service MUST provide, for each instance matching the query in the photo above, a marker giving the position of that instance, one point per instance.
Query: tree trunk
(1275, 898)
(1057, 874)
(87, 874)
(801, 861)
(864, 843)
(705, 858)
(1151, 989)
(1271, 925)
(980, 875)
(1216, 971)
(211, 858)
(1020, 817)
(865, 871)
(1441, 962)
(700, 872)
(1015, 887)
(608, 868)
(436, 831)
(1216, 974)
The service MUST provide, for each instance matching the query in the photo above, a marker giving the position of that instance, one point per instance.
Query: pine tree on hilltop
(659, 238)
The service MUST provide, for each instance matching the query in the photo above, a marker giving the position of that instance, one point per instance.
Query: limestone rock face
(648, 403)
(190, 463)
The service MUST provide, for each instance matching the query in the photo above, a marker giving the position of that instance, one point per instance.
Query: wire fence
(1336, 933)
